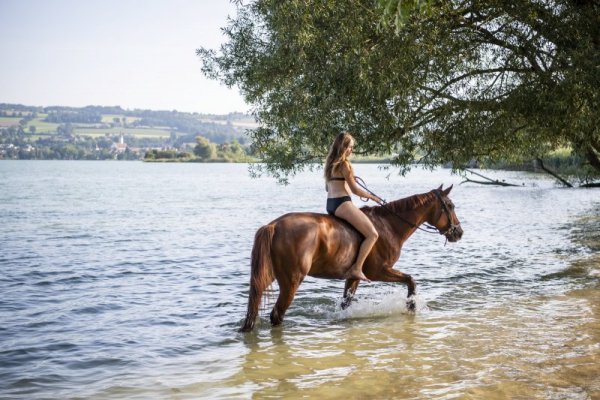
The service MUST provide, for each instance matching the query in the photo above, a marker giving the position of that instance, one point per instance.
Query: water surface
(129, 280)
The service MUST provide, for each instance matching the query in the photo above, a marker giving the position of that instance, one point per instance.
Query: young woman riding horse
(299, 244)
(339, 177)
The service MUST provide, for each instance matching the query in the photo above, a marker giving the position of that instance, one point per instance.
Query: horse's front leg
(411, 305)
(391, 275)
(349, 291)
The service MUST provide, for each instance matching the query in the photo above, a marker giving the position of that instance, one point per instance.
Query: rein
(428, 228)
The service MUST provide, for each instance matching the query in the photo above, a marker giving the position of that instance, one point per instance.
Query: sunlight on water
(533, 348)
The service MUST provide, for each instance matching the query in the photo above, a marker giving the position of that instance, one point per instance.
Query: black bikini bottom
(334, 202)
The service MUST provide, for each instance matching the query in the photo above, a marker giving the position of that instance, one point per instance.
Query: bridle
(428, 228)
(453, 227)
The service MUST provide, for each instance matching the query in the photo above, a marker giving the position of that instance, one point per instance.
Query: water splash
(380, 305)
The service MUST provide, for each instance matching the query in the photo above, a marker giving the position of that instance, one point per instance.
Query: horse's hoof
(411, 305)
(346, 302)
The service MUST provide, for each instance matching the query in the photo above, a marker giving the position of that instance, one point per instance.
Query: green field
(102, 128)
(137, 132)
(8, 121)
(41, 126)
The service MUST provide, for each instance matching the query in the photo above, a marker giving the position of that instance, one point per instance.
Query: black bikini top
(337, 178)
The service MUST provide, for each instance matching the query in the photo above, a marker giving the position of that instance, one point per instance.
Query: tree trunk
(554, 174)
(592, 158)
(489, 181)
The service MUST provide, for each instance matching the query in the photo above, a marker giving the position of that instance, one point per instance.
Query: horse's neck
(413, 217)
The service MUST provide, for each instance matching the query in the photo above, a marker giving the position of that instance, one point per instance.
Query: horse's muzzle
(454, 234)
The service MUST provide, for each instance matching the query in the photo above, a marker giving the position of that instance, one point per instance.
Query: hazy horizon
(124, 108)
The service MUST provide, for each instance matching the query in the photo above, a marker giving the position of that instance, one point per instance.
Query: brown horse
(299, 244)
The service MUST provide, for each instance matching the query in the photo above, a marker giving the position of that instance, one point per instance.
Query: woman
(339, 178)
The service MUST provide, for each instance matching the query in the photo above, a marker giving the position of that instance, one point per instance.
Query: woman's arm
(348, 174)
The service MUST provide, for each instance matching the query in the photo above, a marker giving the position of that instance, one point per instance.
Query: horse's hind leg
(287, 290)
(349, 291)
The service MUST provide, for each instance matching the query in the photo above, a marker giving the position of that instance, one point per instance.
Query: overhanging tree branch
(488, 181)
(476, 73)
(454, 79)
(554, 174)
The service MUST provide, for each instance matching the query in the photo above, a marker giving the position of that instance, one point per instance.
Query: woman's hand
(377, 200)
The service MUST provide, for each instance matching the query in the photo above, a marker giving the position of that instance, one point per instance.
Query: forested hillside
(100, 132)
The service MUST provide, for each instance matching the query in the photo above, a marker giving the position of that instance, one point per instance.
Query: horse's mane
(405, 204)
(412, 202)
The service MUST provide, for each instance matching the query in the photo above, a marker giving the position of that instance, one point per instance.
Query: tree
(231, 151)
(69, 152)
(236, 148)
(205, 149)
(65, 130)
(448, 82)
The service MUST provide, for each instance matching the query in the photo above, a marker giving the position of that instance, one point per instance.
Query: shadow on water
(543, 347)
(285, 361)
(584, 264)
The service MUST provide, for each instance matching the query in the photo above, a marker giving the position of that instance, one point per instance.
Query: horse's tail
(261, 275)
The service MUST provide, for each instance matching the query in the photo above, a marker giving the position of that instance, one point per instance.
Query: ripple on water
(139, 292)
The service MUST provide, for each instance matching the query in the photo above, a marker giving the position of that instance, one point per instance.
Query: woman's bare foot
(356, 273)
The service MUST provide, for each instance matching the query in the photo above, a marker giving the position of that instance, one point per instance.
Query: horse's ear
(441, 186)
(448, 189)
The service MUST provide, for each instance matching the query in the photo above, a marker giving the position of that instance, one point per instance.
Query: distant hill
(94, 121)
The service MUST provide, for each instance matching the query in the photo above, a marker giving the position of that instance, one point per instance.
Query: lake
(125, 280)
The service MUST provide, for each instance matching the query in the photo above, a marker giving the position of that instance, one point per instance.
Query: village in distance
(104, 133)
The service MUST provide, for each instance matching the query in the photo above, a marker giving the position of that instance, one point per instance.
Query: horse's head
(443, 216)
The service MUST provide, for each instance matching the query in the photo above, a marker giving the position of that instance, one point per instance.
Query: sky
(131, 53)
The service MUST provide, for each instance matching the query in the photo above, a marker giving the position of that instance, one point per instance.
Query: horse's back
(316, 242)
(308, 222)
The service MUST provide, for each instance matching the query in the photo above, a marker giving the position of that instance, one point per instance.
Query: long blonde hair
(337, 153)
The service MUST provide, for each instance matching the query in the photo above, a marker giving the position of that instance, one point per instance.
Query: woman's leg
(363, 224)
